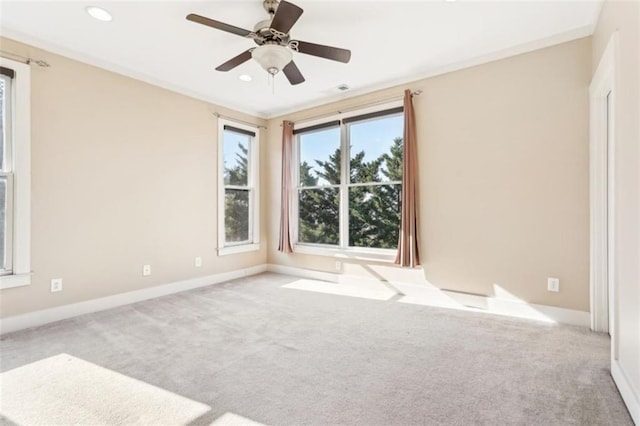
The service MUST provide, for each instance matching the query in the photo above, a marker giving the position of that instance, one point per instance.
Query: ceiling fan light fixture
(272, 57)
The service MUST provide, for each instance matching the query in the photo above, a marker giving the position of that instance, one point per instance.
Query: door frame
(601, 188)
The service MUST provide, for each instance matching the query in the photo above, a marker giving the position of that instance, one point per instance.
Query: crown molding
(564, 37)
(574, 34)
(118, 69)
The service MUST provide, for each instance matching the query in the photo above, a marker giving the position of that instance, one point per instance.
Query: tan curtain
(285, 244)
(408, 253)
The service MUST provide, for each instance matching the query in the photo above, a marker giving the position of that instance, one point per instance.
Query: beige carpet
(272, 349)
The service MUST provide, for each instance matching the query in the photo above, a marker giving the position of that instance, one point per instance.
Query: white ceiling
(391, 42)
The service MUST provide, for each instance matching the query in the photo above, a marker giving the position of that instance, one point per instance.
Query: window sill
(224, 251)
(11, 281)
(378, 255)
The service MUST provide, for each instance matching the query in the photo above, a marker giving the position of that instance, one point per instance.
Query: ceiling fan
(275, 46)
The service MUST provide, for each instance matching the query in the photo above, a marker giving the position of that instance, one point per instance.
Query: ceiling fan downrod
(270, 6)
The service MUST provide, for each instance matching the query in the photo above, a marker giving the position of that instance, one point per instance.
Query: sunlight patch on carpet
(502, 303)
(67, 390)
(231, 419)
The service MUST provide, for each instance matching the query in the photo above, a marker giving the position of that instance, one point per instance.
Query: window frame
(18, 174)
(342, 250)
(253, 187)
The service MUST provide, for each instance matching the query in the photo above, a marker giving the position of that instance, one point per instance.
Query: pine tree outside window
(349, 182)
(238, 201)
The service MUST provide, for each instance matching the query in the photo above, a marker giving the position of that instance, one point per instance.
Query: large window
(238, 201)
(14, 174)
(349, 181)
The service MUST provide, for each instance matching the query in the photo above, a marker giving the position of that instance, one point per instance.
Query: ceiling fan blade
(286, 15)
(328, 52)
(218, 25)
(293, 74)
(235, 61)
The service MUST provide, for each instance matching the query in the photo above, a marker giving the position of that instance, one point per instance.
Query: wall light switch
(198, 262)
(553, 284)
(56, 285)
(338, 265)
(146, 270)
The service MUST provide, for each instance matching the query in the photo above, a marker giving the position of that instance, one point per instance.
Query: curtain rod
(24, 59)
(258, 126)
(354, 108)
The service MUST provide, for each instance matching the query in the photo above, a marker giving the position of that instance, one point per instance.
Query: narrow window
(238, 201)
(375, 180)
(319, 185)
(15, 184)
(6, 173)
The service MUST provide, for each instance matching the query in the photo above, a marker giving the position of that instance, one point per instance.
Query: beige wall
(625, 18)
(503, 158)
(123, 174)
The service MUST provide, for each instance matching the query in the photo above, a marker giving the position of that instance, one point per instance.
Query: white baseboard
(425, 294)
(411, 293)
(629, 395)
(304, 273)
(45, 316)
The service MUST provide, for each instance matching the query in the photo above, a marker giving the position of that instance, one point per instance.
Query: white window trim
(21, 138)
(342, 251)
(254, 183)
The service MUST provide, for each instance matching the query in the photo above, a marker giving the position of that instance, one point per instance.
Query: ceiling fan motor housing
(264, 34)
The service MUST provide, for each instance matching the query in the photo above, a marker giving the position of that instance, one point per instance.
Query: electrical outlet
(146, 270)
(56, 285)
(553, 284)
(338, 265)
(198, 262)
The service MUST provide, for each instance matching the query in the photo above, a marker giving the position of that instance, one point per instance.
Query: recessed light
(245, 77)
(99, 13)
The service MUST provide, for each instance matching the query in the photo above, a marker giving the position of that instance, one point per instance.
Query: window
(238, 201)
(349, 182)
(15, 182)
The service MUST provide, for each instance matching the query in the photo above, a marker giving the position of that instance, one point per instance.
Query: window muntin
(354, 203)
